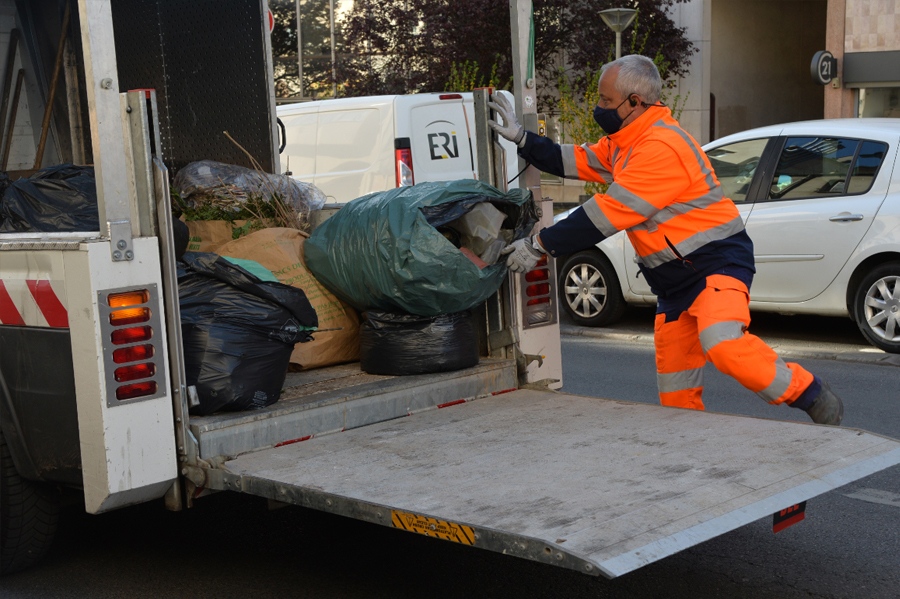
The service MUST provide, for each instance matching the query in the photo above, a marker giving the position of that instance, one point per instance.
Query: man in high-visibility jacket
(690, 240)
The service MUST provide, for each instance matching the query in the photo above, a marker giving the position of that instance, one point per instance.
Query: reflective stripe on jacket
(662, 191)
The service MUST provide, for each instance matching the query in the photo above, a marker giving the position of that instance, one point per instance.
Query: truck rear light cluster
(129, 321)
(539, 295)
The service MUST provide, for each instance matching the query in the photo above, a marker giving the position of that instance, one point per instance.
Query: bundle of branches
(208, 190)
(259, 211)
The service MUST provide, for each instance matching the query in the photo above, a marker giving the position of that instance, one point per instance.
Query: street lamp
(618, 19)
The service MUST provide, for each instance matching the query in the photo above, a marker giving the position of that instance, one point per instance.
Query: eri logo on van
(443, 141)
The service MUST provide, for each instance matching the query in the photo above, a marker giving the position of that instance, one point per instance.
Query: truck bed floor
(340, 398)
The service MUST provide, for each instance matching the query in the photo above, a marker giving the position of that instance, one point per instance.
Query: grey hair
(637, 75)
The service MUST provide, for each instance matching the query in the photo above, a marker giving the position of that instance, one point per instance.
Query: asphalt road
(232, 546)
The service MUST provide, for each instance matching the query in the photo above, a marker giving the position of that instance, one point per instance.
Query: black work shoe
(827, 407)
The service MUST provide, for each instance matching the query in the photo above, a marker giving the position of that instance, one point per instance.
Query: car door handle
(846, 218)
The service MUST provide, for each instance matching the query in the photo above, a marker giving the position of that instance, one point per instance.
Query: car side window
(869, 160)
(811, 167)
(735, 164)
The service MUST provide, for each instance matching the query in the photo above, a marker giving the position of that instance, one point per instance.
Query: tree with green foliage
(409, 46)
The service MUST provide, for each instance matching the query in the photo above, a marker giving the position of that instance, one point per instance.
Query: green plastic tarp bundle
(383, 251)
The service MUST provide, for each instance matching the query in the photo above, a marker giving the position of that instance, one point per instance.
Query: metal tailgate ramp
(598, 486)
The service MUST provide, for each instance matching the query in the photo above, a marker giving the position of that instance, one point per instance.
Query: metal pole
(300, 47)
(333, 66)
(618, 45)
(524, 87)
(54, 80)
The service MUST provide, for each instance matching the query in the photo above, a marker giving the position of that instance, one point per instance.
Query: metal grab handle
(846, 218)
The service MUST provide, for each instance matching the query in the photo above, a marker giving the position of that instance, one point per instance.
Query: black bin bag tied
(238, 332)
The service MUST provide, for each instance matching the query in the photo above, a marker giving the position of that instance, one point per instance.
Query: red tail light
(404, 167)
(135, 372)
(131, 335)
(136, 390)
(133, 354)
(537, 275)
(450, 97)
(539, 289)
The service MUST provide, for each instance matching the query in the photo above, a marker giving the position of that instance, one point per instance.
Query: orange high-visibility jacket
(662, 191)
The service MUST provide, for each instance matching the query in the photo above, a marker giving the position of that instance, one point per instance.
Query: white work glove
(510, 129)
(523, 254)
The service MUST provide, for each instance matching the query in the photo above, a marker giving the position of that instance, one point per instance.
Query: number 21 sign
(823, 68)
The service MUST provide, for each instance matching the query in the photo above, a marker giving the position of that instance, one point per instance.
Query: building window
(879, 102)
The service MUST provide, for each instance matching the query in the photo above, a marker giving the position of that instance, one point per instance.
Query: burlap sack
(208, 235)
(281, 251)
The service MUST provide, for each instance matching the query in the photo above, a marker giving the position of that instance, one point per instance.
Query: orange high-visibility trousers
(714, 329)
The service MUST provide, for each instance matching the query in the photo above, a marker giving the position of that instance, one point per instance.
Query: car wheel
(28, 514)
(589, 290)
(877, 307)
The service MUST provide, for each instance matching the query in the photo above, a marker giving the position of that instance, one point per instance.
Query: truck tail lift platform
(599, 486)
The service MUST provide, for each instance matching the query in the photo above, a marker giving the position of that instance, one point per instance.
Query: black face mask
(608, 118)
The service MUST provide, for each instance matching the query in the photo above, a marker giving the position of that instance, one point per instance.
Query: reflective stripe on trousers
(714, 329)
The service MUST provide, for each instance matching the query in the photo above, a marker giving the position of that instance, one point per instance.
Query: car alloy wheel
(586, 290)
(590, 291)
(882, 308)
(877, 307)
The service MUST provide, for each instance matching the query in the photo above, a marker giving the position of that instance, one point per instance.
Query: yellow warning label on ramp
(433, 528)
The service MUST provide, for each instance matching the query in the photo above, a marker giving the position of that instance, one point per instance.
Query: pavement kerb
(784, 350)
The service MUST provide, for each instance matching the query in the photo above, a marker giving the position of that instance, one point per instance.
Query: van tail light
(129, 324)
(450, 97)
(539, 295)
(403, 162)
(404, 168)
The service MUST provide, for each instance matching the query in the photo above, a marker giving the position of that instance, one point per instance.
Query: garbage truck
(494, 456)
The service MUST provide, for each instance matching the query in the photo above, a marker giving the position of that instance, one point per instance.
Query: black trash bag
(238, 332)
(57, 199)
(181, 237)
(395, 344)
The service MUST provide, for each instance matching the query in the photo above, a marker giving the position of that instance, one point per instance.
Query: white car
(821, 202)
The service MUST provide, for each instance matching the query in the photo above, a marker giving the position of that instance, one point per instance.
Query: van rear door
(441, 130)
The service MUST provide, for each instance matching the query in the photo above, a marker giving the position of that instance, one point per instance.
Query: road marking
(876, 496)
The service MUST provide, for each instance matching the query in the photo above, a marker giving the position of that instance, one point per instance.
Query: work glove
(523, 254)
(510, 129)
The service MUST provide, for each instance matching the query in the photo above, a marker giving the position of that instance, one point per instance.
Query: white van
(349, 147)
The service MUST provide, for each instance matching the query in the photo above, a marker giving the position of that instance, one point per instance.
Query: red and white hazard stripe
(34, 303)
